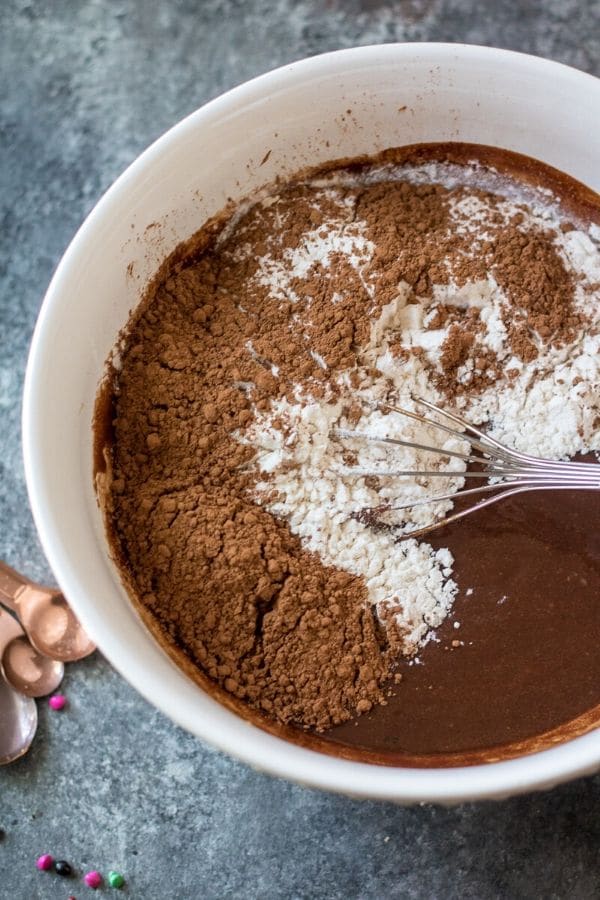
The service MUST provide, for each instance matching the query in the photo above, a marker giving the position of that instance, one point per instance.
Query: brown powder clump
(409, 226)
(272, 624)
(455, 350)
(463, 350)
(529, 269)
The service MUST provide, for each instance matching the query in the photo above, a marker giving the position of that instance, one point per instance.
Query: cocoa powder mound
(212, 344)
(272, 624)
(222, 577)
(408, 224)
(529, 269)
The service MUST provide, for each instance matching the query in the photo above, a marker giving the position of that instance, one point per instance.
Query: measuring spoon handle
(9, 629)
(12, 585)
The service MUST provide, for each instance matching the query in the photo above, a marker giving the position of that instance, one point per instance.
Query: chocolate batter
(528, 660)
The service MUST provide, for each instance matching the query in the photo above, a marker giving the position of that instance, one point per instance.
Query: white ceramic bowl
(398, 94)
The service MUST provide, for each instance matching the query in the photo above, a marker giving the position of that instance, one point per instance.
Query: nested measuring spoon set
(38, 635)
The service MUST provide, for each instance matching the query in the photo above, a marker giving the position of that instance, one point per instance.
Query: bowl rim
(408, 785)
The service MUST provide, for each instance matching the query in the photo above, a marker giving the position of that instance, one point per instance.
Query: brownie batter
(233, 593)
(525, 659)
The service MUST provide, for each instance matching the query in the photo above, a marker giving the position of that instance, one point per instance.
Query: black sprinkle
(62, 867)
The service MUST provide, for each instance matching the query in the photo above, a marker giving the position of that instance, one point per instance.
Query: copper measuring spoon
(46, 617)
(18, 723)
(26, 670)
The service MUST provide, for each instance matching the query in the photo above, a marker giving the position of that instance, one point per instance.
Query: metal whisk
(513, 472)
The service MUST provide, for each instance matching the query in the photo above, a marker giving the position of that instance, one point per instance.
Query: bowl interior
(340, 105)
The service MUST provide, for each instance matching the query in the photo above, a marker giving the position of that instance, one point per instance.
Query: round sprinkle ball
(93, 879)
(62, 867)
(44, 862)
(115, 879)
(57, 702)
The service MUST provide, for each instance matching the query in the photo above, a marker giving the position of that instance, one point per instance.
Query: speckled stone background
(85, 85)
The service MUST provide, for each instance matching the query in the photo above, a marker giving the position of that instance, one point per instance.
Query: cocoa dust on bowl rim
(348, 80)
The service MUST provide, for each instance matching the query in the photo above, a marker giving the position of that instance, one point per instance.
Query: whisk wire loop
(510, 471)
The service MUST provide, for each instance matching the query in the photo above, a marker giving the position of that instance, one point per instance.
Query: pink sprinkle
(44, 862)
(93, 879)
(57, 701)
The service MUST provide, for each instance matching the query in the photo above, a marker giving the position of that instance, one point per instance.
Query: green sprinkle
(116, 880)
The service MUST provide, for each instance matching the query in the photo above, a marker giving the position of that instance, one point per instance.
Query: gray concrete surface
(110, 783)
